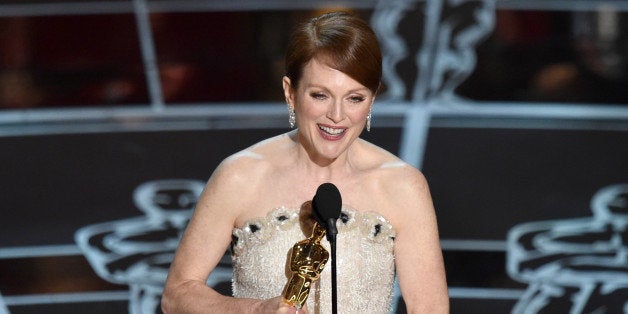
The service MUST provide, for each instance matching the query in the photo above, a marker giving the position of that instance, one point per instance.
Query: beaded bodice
(364, 267)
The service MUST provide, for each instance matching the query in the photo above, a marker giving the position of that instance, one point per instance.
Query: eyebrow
(355, 90)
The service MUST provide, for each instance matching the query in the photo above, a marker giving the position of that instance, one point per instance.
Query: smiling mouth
(332, 131)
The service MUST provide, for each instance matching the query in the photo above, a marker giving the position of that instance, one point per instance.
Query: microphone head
(326, 204)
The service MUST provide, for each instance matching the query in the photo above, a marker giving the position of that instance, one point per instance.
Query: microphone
(326, 205)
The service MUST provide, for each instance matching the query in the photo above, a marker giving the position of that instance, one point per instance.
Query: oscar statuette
(307, 260)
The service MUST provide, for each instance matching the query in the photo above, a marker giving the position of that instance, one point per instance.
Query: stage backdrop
(115, 114)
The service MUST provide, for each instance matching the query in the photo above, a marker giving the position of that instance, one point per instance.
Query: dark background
(483, 181)
(61, 170)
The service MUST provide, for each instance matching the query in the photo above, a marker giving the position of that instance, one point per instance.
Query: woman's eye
(318, 96)
(356, 99)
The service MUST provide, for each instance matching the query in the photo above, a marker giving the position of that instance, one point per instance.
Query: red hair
(341, 40)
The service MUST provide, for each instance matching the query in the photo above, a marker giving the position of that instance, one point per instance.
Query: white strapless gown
(364, 268)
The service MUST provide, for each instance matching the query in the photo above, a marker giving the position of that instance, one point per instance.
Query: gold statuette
(307, 260)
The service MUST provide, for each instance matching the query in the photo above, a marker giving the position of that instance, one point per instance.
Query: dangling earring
(368, 122)
(292, 119)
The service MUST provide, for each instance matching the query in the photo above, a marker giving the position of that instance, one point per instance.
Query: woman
(388, 224)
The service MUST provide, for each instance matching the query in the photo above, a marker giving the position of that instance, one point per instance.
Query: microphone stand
(331, 237)
(334, 295)
(327, 206)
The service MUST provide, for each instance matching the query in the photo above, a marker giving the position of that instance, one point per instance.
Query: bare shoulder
(248, 166)
(402, 182)
(397, 189)
(236, 182)
(391, 172)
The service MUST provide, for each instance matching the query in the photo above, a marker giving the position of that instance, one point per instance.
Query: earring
(292, 119)
(368, 122)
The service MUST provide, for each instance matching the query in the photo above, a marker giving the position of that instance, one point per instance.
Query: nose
(336, 112)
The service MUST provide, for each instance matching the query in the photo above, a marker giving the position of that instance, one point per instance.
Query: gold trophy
(307, 260)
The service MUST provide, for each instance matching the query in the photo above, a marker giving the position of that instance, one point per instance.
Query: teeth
(331, 131)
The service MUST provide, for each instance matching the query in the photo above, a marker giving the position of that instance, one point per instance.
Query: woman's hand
(278, 305)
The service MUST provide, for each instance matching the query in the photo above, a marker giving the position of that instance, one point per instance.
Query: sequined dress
(364, 267)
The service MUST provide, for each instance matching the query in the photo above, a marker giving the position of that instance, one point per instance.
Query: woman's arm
(418, 256)
(205, 242)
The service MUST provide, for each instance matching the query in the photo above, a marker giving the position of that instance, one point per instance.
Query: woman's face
(331, 109)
